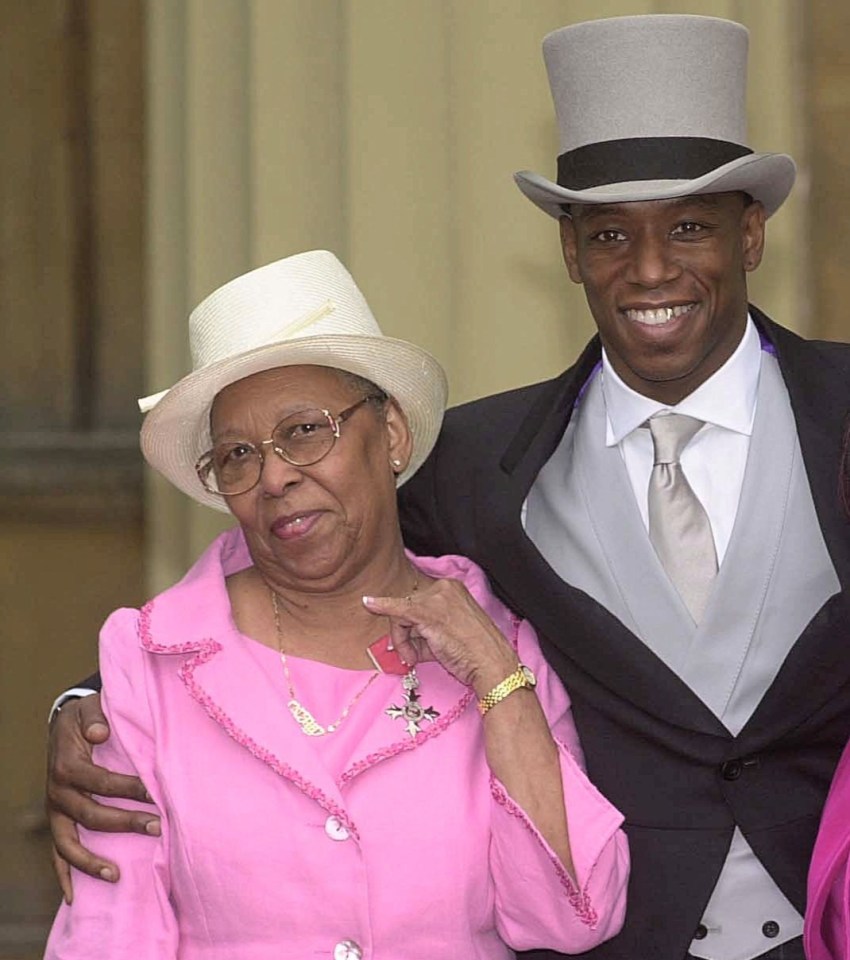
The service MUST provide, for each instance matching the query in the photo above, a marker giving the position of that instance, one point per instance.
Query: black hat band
(644, 158)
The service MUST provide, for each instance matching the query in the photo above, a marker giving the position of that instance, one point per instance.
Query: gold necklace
(310, 726)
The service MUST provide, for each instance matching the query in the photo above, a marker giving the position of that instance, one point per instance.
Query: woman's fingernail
(107, 873)
(153, 828)
(368, 600)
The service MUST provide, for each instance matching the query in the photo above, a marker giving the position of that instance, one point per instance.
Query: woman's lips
(295, 525)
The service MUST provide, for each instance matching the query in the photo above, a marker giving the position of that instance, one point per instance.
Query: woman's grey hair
(360, 384)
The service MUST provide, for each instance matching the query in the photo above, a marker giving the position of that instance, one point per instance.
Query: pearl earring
(396, 464)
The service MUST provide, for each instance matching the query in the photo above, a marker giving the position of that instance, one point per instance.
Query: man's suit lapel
(564, 616)
(573, 622)
(820, 399)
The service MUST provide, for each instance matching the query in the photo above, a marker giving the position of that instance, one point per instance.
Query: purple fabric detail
(766, 345)
(583, 389)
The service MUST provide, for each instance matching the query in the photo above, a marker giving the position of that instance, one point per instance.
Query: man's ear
(569, 247)
(752, 235)
(398, 436)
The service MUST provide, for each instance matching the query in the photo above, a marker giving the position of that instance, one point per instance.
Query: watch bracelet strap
(514, 681)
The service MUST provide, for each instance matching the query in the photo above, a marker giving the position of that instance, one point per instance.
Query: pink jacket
(414, 851)
(827, 930)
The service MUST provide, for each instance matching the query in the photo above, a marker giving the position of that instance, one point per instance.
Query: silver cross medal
(412, 711)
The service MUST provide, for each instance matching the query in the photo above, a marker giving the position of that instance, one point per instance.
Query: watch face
(530, 679)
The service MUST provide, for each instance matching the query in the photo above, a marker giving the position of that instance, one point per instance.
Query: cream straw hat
(305, 309)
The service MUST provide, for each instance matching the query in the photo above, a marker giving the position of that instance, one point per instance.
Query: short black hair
(747, 198)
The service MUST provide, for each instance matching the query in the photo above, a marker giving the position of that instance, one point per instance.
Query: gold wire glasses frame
(302, 439)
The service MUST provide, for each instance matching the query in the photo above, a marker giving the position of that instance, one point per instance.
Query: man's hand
(71, 778)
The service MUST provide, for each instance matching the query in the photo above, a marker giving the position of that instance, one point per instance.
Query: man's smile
(659, 315)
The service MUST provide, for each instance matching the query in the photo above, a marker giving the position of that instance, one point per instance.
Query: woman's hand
(71, 778)
(441, 621)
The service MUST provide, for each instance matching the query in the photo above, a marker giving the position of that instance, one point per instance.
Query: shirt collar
(727, 398)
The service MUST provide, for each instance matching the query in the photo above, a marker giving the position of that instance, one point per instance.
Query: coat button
(770, 929)
(731, 769)
(348, 950)
(701, 932)
(335, 829)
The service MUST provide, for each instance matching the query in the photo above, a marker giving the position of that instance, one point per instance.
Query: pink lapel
(438, 689)
(193, 620)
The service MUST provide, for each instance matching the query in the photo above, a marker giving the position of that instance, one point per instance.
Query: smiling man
(665, 281)
(666, 512)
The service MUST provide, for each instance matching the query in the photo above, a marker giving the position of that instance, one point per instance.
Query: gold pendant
(308, 723)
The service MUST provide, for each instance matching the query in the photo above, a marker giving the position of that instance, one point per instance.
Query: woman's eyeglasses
(302, 439)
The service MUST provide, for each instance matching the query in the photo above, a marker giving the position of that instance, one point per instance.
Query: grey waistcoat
(582, 517)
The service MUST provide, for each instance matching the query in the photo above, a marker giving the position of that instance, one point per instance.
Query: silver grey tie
(678, 524)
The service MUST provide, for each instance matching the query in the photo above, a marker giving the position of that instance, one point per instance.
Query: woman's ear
(398, 436)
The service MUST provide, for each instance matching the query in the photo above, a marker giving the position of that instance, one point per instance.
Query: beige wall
(826, 113)
(388, 132)
(71, 315)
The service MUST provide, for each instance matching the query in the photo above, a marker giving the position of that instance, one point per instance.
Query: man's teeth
(654, 318)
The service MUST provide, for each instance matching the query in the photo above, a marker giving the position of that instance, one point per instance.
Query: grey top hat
(652, 107)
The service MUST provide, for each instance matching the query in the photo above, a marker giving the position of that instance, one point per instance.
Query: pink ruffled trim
(401, 745)
(579, 900)
(204, 651)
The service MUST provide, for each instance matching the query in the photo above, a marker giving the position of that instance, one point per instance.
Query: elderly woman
(827, 925)
(826, 935)
(355, 752)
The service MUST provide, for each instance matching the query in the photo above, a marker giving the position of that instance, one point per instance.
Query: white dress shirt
(727, 404)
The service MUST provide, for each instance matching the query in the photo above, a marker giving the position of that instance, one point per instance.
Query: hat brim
(177, 430)
(766, 177)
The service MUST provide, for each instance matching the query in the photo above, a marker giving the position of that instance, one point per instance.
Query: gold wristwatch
(521, 678)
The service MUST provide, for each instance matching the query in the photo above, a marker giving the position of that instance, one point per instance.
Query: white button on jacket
(335, 830)
(348, 950)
